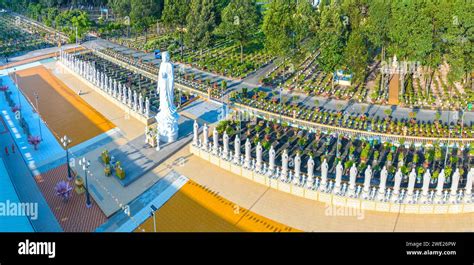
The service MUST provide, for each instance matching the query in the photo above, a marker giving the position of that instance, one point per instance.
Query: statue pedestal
(167, 126)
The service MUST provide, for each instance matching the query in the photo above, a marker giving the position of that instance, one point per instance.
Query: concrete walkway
(304, 214)
(25, 185)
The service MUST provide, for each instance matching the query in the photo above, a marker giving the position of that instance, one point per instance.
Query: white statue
(367, 179)
(248, 157)
(441, 179)
(135, 101)
(205, 135)
(411, 184)
(271, 164)
(215, 141)
(426, 183)
(284, 164)
(454, 185)
(468, 188)
(339, 170)
(225, 152)
(167, 117)
(147, 107)
(237, 149)
(383, 183)
(195, 133)
(310, 166)
(352, 179)
(324, 174)
(398, 181)
(297, 176)
(259, 158)
(140, 103)
(130, 97)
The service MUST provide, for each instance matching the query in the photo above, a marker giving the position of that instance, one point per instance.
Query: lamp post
(85, 165)
(66, 141)
(153, 214)
(39, 118)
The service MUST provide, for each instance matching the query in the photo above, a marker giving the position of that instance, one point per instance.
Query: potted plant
(107, 170)
(105, 157)
(119, 172)
(63, 190)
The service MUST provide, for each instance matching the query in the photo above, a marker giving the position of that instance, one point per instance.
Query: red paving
(73, 215)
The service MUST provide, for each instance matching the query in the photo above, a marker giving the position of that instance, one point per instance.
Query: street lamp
(66, 141)
(153, 213)
(39, 118)
(85, 165)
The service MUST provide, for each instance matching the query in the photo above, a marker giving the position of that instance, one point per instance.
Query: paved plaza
(72, 214)
(65, 112)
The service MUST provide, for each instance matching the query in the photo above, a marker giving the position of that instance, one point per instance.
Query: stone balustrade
(317, 186)
(113, 90)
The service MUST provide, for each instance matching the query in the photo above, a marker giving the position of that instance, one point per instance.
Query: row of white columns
(111, 86)
(366, 191)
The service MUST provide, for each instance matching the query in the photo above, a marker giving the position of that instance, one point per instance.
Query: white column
(439, 187)
(225, 152)
(258, 164)
(248, 148)
(296, 178)
(468, 188)
(352, 180)
(195, 133)
(237, 149)
(454, 186)
(205, 139)
(383, 183)
(215, 141)
(310, 166)
(284, 163)
(324, 175)
(411, 185)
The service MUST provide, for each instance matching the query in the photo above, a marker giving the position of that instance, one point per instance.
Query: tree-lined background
(349, 35)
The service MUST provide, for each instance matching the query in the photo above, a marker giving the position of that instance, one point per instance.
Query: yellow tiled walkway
(196, 209)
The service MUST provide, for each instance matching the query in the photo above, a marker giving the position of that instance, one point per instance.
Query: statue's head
(165, 56)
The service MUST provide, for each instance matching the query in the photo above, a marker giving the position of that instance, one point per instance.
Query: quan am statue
(167, 117)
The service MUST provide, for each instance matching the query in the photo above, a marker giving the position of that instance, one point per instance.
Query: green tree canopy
(200, 24)
(240, 22)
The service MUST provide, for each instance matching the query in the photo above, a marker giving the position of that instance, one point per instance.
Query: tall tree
(377, 25)
(143, 14)
(174, 16)
(120, 8)
(240, 22)
(331, 35)
(459, 38)
(356, 55)
(287, 24)
(200, 24)
(410, 31)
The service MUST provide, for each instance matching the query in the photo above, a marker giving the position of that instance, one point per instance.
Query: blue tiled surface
(48, 148)
(8, 193)
(205, 110)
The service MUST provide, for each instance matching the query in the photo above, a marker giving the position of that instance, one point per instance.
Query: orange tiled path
(65, 112)
(72, 215)
(196, 209)
(393, 90)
